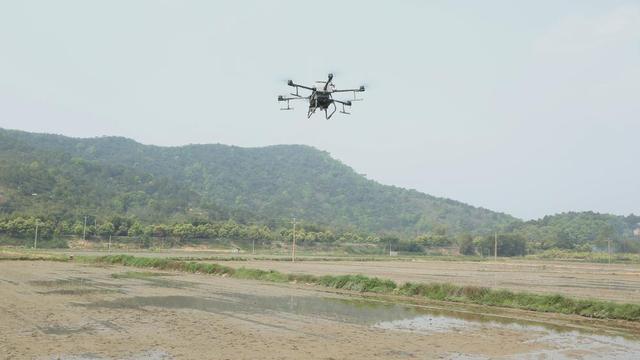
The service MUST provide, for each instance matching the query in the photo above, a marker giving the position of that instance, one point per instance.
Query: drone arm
(361, 89)
(291, 83)
(347, 103)
(282, 98)
(344, 103)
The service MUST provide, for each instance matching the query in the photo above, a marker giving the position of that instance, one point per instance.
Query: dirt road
(51, 310)
(602, 281)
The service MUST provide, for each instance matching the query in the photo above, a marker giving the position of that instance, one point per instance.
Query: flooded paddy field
(614, 282)
(58, 310)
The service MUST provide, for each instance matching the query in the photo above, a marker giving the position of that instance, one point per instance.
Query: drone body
(321, 97)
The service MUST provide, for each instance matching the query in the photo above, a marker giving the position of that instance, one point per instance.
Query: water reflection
(355, 311)
(389, 317)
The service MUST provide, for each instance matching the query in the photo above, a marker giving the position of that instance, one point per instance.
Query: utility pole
(293, 248)
(84, 228)
(253, 247)
(109, 246)
(609, 249)
(495, 246)
(35, 239)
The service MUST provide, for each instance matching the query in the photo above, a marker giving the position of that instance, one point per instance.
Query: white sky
(529, 109)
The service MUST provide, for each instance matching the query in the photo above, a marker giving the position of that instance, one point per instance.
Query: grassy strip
(6, 254)
(520, 300)
(592, 257)
(300, 258)
(442, 292)
(274, 258)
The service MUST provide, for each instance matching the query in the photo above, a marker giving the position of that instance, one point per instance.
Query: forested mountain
(57, 176)
(580, 230)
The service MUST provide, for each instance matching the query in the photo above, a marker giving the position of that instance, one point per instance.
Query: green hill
(580, 230)
(57, 176)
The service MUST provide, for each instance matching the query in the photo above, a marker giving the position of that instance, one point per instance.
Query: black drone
(321, 97)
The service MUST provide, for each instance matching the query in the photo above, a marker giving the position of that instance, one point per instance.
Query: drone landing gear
(327, 115)
(344, 111)
(288, 107)
(355, 97)
(312, 110)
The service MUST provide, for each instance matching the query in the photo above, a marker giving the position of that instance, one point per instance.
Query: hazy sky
(529, 109)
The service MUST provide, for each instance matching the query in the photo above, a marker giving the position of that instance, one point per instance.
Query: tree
(509, 244)
(106, 229)
(434, 240)
(391, 242)
(465, 243)
(183, 231)
(135, 230)
(78, 228)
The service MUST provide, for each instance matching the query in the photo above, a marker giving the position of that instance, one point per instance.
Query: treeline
(510, 242)
(581, 231)
(25, 227)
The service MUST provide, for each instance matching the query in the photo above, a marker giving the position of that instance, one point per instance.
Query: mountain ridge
(274, 181)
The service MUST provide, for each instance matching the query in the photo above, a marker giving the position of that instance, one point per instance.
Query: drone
(321, 97)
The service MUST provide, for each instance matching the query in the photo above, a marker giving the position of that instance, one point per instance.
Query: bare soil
(51, 310)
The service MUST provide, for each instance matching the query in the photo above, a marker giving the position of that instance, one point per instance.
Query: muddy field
(615, 282)
(602, 281)
(52, 310)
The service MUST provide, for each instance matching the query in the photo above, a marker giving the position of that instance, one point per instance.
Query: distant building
(636, 232)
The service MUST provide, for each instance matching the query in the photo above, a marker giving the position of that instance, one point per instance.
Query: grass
(8, 254)
(519, 300)
(56, 243)
(593, 257)
(435, 291)
(330, 257)
(359, 283)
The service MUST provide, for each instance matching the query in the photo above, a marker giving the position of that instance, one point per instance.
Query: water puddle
(75, 286)
(430, 324)
(70, 282)
(389, 317)
(362, 312)
(356, 311)
(81, 291)
(139, 275)
(154, 279)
